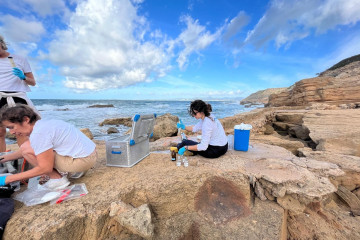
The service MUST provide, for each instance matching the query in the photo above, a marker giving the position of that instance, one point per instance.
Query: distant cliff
(338, 85)
(262, 96)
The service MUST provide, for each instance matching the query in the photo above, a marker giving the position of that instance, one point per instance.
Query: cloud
(286, 21)
(235, 25)
(194, 38)
(46, 7)
(21, 29)
(105, 47)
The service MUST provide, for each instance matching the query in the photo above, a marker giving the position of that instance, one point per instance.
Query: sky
(176, 49)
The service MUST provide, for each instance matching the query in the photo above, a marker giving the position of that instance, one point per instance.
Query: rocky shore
(300, 179)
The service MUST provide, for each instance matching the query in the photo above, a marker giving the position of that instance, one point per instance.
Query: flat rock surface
(335, 130)
(202, 193)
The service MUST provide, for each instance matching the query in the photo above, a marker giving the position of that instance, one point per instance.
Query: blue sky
(177, 49)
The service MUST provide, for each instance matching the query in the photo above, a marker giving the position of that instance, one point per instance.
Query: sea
(80, 114)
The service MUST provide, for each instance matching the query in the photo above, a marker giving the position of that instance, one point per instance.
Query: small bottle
(173, 151)
(186, 163)
(173, 155)
(178, 160)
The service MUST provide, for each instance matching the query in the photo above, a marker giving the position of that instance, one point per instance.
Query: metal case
(128, 150)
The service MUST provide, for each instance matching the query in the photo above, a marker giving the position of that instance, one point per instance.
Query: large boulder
(126, 121)
(165, 126)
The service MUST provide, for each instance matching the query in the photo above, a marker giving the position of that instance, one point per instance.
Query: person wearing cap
(213, 141)
(15, 78)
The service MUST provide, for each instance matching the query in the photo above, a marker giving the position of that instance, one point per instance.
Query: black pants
(3, 101)
(210, 152)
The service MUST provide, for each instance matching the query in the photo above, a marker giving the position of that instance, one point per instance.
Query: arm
(30, 79)
(11, 156)
(45, 165)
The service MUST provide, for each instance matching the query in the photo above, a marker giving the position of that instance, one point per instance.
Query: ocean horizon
(79, 113)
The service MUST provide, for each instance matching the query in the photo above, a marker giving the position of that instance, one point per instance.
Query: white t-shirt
(8, 81)
(62, 137)
(212, 133)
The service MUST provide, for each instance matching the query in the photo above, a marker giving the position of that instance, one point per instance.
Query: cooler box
(241, 137)
(128, 150)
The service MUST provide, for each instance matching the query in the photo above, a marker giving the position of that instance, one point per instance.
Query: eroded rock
(137, 220)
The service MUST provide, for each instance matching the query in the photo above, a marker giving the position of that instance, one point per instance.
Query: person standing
(15, 78)
(213, 141)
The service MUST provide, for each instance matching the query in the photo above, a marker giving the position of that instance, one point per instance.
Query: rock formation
(261, 97)
(340, 85)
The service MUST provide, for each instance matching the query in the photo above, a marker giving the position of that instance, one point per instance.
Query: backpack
(6, 210)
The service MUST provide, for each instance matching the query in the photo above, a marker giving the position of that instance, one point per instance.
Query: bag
(6, 210)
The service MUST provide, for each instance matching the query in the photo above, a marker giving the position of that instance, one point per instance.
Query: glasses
(194, 113)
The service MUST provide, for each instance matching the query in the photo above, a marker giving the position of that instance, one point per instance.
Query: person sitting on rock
(53, 146)
(213, 141)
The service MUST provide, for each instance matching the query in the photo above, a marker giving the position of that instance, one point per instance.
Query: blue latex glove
(180, 125)
(181, 151)
(17, 72)
(2, 180)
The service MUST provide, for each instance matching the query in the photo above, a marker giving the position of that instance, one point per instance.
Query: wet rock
(101, 106)
(112, 130)
(126, 121)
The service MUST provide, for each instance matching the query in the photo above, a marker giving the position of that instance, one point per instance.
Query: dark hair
(16, 114)
(200, 106)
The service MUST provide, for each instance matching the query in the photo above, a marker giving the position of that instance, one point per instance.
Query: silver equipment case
(128, 150)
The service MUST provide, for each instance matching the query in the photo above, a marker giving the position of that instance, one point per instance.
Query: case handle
(115, 152)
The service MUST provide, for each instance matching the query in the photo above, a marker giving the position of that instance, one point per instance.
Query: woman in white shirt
(53, 146)
(15, 78)
(213, 141)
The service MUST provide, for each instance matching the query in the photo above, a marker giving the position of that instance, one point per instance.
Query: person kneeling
(53, 146)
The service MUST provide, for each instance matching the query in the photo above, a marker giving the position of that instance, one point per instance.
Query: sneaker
(76, 174)
(57, 184)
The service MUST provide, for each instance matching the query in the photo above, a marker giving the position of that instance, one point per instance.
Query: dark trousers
(210, 152)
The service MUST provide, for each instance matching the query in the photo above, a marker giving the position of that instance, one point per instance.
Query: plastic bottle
(186, 163)
(178, 160)
(183, 136)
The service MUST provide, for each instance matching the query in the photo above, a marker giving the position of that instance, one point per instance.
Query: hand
(2, 180)
(180, 125)
(181, 151)
(17, 72)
